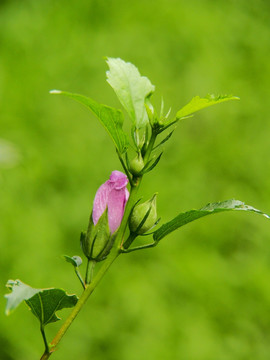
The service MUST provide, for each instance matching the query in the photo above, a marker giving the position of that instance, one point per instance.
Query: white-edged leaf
(131, 89)
(112, 119)
(213, 208)
(44, 303)
(20, 292)
(198, 103)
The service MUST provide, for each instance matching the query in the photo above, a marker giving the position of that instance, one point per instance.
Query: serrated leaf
(111, 118)
(186, 217)
(47, 302)
(131, 89)
(198, 103)
(74, 260)
(20, 292)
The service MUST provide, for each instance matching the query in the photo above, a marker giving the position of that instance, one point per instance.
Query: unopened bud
(96, 243)
(137, 164)
(143, 216)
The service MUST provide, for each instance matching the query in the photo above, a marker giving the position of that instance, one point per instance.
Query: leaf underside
(76, 261)
(131, 89)
(189, 216)
(20, 292)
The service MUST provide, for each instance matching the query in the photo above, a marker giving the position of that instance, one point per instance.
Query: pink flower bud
(113, 194)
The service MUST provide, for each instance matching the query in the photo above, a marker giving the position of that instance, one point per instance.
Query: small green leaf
(186, 217)
(76, 261)
(198, 103)
(47, 302)
(131, 89)
(112, 119)
(20, 292)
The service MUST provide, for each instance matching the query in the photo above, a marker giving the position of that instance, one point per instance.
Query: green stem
(89, 271)
(115, 252)
(124, 167)
(81, 302)
(89, 288)
(47, 349)
(129, 241)
(147, 246)
(77, 271)
(150, 146)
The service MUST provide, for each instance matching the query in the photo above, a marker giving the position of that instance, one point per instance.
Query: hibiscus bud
(108, 211)
(136, 165)
(143, 217)
(113, 194)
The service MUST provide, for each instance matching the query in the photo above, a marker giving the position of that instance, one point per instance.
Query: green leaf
(131, 89)
(112, 119)
(43, 302)
(76, 261)
(186, 217)
(20, 292)
(47, 302)
(198, 103)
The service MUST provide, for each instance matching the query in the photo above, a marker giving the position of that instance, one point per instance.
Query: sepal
(97, 242)
(143, 217)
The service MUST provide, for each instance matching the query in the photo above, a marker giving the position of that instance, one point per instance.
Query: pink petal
(114, 195)
(118, 179)
(116, 207)
(101, 201)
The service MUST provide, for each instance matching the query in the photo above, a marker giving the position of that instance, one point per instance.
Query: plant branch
(47, 349)
(124, 166)
(89, 288)
(147, 246)
(77, 271)
(85, 295)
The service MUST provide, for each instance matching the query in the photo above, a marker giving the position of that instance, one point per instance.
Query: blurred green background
(204, 293)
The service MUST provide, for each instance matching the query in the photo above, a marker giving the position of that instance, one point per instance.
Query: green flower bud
(143, 216)
(96, 243)
(136, 165)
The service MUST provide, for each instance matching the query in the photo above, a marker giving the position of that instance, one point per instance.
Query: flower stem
(142, 247)
(44, 339)
(89, 271)
(88, 291)
(124, 167)
(129, 241)
(90, 284)
(79, 276)
(90, 287)
(150, 146)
